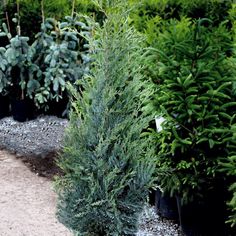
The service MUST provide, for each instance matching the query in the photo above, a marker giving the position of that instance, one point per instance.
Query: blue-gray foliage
(107, 161)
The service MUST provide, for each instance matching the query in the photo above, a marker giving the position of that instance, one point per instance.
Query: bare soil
(42, 166)
(27, 201)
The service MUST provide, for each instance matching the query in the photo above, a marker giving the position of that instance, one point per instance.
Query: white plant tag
(159, 120)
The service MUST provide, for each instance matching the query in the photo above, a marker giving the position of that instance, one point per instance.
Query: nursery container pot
(166, 206)
(152, 197)
(22, 110)
(57, 108)
(203, 217)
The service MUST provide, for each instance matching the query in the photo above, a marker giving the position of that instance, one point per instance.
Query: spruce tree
(107, 159)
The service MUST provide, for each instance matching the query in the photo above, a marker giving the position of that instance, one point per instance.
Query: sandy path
(27, 202)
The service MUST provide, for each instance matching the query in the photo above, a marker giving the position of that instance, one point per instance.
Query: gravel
(44, 135)
(32, 138)
(151, 224)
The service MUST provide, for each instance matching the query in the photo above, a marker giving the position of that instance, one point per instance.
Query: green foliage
(30, 16)
(18, 66)
(90, 8)
(21, 67)
(145, 12)
(107, 162)
(150, 11)
(61, 53)
(229, 167)
(56, 9)
(4, 80)
(195, 81)
(31, 13)
(232, 204)
(215, 10)
(2, 13)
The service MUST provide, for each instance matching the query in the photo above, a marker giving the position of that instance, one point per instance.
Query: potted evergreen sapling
(23, 73)
(39, 72)
(60, 53)
(107, 162)
(21, 70)
(196, 97)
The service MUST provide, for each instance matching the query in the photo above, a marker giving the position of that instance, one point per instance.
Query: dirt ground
(27, 201)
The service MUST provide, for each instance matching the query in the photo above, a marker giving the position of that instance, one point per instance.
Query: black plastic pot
(203, 217)
(4, 106)
(22, 110)
(152, 197)
(166, 206)
(58, 108)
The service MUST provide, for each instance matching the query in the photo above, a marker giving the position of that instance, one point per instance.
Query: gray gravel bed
(43, 136)
(151, 224)
(32, 138)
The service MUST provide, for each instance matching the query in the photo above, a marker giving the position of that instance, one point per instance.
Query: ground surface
(27, 201)
(34, 138)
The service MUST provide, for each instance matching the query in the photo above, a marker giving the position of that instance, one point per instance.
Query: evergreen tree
(107, 160)
(196, 96)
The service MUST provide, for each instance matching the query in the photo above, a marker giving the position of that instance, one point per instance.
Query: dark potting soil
(44, 167)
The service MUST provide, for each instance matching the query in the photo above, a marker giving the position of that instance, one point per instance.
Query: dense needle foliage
(196, 95)
(107, 161)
